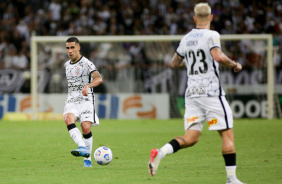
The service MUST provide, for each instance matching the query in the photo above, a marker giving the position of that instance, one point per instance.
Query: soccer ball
(103, 155)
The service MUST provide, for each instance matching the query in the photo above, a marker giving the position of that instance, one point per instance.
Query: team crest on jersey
(77, 70)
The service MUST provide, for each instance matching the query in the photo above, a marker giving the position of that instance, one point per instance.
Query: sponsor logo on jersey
(71, 81)
(212, 122)
(196, 90)
(75, 99)
(72, 87)
(196, 35)
(192, 119)
(192, 43)
(216, 41)
(86, 112)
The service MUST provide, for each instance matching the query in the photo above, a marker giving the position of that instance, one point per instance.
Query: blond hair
(202, 11)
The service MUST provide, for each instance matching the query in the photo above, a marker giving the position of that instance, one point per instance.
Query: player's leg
(70, 114)
(88, 118)
(88, 140)
(229, 155)
(190, 138)
(73, 130)
(193, 124)
(76, 136)
(220, 118)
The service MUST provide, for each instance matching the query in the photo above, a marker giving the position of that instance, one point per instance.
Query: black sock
(175, 145)
(71, 126)
(230, 159)
(87, 136)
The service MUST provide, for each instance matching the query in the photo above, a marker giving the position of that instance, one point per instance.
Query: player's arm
(221, 58)
(97, 80)
(177, 61)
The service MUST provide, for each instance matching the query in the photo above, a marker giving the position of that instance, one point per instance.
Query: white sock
(166, 150)
(231, 172)
(77, 137)
(88, 143)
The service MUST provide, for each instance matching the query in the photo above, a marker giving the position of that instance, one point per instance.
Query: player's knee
(68, 120)
(85, 130)
(230, 145)
(193, 141)
(86, 127)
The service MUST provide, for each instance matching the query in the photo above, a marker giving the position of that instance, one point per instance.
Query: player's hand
(85, 91)
(238, 67)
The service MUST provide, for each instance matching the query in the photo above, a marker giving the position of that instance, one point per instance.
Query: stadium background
(129, 66)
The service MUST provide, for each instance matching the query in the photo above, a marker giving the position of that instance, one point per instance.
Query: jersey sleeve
(181, 48)
(214, 40)
(91, 67)
(65, 64)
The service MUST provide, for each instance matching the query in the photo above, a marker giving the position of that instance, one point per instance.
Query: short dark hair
(72, 39)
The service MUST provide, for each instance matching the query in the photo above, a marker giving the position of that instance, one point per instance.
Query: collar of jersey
(76, 61)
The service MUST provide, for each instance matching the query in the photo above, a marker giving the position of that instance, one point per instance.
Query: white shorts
(215, 110)
(83, 110)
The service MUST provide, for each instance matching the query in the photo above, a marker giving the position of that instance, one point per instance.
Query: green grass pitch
(39, 152)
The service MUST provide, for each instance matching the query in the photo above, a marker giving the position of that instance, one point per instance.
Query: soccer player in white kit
(82, 76)
(200, 51)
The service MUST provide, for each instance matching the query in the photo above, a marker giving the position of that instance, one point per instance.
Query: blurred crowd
(20, 19)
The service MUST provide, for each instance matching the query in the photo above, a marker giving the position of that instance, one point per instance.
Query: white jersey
(78, 75)
(202, 69)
